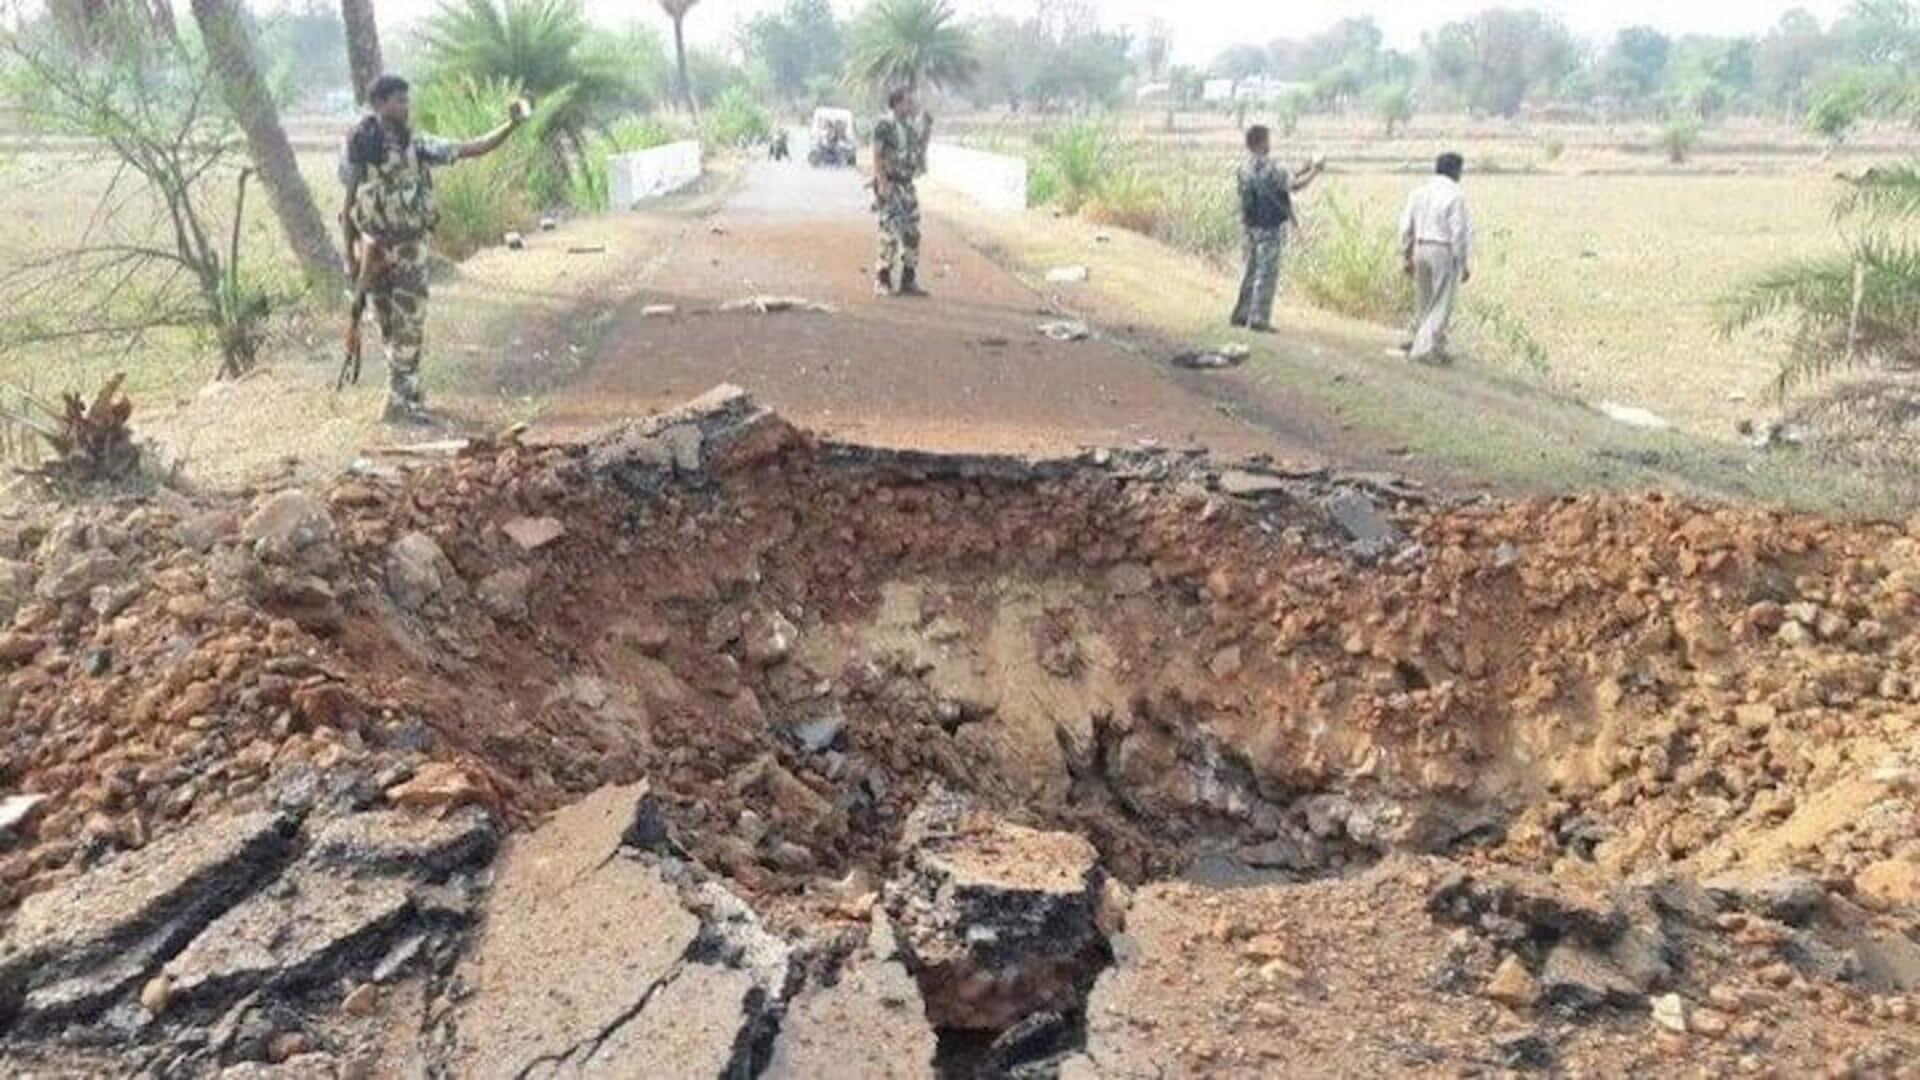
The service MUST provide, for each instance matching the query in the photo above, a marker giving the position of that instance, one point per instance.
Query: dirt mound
(1228, 678)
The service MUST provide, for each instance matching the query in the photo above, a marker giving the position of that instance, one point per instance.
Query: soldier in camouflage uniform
(899, 158)
(1266, 212)
(390, 213)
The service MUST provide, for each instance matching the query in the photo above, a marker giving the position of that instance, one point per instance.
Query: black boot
(883, 283)
(910, 283)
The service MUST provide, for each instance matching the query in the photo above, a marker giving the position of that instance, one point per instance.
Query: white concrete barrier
(995, 181)
(647, 174)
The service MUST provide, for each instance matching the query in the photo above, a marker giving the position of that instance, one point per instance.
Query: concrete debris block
(298, 930)
(869, 1025)
(75, 948)
(683, 442)
(1369, 530)
(1578, 979)
(1247, 485)
(419, 573)
(774, 305)
(1064, 330)
(575, 941)
(534, 533)
(1670, 1012)
(1069, 275)
(659, 311)
(1794, 899)
(396, 843)
(284, 525)
(1000, 921)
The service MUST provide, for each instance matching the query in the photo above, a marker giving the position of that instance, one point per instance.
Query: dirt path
(965, 370)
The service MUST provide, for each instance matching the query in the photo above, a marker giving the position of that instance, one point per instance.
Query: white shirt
(1437, 214)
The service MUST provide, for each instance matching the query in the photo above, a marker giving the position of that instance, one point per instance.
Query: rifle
(366, 271)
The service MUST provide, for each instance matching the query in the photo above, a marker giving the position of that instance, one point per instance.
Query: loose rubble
(705, 748)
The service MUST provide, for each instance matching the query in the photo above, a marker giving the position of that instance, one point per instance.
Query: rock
(362, 1000)
(1225, 356)
(769, 639)
(1226, 663)
(1791, 898)
(1523, 1050)
(80, 575)
(659, 311)
(397, 843)
(286, 524)
(16, 586)
(1069, 275)
(1516, 907)
(76, 947)
(548, 224)
(514, 241)
(438, 785)
(299, 931)
(819, 733)
(504, 593)
(534, 533)
(1513, 985)
(17, 815)
(684, 443)
(1632, 416)
(287, 1045)
(1371, 533)
(1577, 979)
(999, 921)
(1890, 884)
(1129, 579)
(1246, 485)
(1670, 1012)
(418, 572)
(156, 995)
(1065, 330)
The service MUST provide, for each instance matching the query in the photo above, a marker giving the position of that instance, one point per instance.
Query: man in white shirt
(1436, 240)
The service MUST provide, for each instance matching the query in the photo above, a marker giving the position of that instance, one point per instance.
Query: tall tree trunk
(363, 45)
(163, 20)
(680, 59)
(231, 50)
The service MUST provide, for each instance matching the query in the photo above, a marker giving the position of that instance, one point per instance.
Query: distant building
(1217, 91)
(1154, 94)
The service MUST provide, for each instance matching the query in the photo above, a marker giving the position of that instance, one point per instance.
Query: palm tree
(543, 46)
(223, 27)
(677, 11)
(363, 45)
(1856, 308)
(910, 43)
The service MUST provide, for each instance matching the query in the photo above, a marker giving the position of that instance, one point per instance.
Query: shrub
(735, 119)
(1078, 158)
(1554, 149)
(1350, 264)
(480, 201)
(1678, 139)
(1199, 213)
(1127, 199)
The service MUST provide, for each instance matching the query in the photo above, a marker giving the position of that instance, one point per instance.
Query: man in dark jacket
(1266, 212)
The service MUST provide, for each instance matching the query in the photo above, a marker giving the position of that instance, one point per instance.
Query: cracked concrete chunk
(294, 931)
(395, 842)
(690, 1027)
(1372, 534)
(74, 948)
(870, 1025)
(1579, 980)
(1000, 921)
(575, 939)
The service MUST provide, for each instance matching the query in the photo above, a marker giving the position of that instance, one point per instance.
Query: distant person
(1436, 242)
(777, 146)
(899, 159)
(1266, 211)
(387, 169)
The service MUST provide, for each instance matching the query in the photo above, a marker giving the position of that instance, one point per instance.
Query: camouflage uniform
(1266, 209)
(900, 154)
(393, 206)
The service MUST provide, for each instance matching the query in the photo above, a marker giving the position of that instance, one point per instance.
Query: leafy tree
(1636, 64)
(1841, 105)
(1156, 48)
(910, 43)
(1495, 61)
(1789, 57)
(797, 45)
(305, 50)
(1239, 62)
(1393, 107)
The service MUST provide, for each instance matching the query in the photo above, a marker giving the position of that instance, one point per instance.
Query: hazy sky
(1203, 27)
